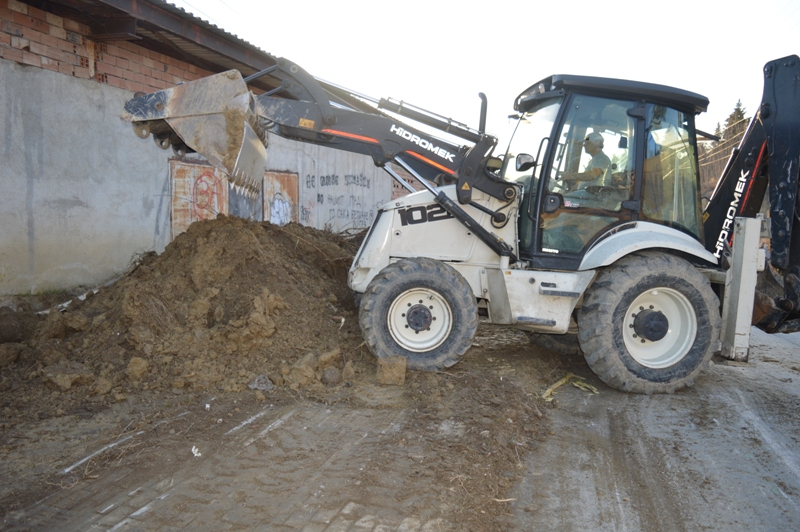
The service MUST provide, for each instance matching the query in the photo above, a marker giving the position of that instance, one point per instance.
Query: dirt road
(721, 456)
(438, 453)
(724, 455)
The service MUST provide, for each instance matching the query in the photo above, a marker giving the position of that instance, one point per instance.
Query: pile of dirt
(229, 304)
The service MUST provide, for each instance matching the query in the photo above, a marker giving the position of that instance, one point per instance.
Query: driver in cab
(596, 170)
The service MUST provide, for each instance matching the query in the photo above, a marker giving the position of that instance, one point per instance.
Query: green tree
(736, 123)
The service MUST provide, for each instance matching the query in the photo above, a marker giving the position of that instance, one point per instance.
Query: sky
(439, 54)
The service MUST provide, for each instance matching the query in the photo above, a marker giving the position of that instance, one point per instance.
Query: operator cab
(593, 155)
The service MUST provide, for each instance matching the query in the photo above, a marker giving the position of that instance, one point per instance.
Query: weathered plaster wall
(80, 193)
(338, 190)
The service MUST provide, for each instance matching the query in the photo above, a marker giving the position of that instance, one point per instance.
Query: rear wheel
(649, 324)
(421, 309)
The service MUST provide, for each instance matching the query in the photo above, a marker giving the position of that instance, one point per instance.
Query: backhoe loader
(587, 232)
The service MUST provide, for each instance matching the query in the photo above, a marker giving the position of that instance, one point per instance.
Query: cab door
(588, 187)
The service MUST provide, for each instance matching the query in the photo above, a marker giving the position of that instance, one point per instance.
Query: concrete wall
(80, 193)
(338, 190)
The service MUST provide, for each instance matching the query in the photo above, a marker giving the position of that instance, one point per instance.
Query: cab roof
(678, 98)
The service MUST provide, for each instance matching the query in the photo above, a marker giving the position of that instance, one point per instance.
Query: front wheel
(649, 324)
(421, 309)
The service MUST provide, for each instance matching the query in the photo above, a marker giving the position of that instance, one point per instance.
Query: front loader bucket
(213, 116)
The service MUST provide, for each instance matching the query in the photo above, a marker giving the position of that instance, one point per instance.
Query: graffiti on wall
(281, 197)
(199, 192)
(345, 211)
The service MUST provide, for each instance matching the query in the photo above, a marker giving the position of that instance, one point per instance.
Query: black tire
(687, 318)
(436, 333)
(562, 344)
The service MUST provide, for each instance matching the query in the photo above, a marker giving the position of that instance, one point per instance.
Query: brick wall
(33, 37)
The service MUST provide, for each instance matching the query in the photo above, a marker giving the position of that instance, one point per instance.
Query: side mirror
(525, 162)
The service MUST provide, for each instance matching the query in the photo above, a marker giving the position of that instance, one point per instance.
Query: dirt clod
(67, 375)
(392, 370)
(137, 367)
(9, 353)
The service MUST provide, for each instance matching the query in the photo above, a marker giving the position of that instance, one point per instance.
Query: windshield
(533, 130)
(533, 126)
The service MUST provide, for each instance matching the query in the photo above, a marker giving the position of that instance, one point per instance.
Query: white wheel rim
(679, 338)
(436, 314)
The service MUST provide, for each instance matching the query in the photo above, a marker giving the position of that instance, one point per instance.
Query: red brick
(121, 63)
(134, 67)
(66, 68)
(139, 87)
(115, 82)
(30, 22)
(5, 39)
(49, 64)
(66, 46)
(12, 54)
(32, 34)
(37, 14)
(81, 72)
(130, 56)
(9, 27)
(17, 6)
(58, 55)
(20, 43)
(58, 33)
(49, 40)
(38, 48)
(106, 68)
(5, 14)
(71, 25)
(3, 4)
(54, 20)
(31, 59)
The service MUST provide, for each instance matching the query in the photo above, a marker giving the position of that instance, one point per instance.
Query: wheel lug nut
(406, 326)
(416, 332)
(403, 316)
(641, 308)
(634, 334)
(409, 304)
(431, 307)
(651, 307)
(630, 326)
(642, 340)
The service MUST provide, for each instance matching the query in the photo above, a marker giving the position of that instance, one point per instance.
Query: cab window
(591, 176)
(670, 189)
